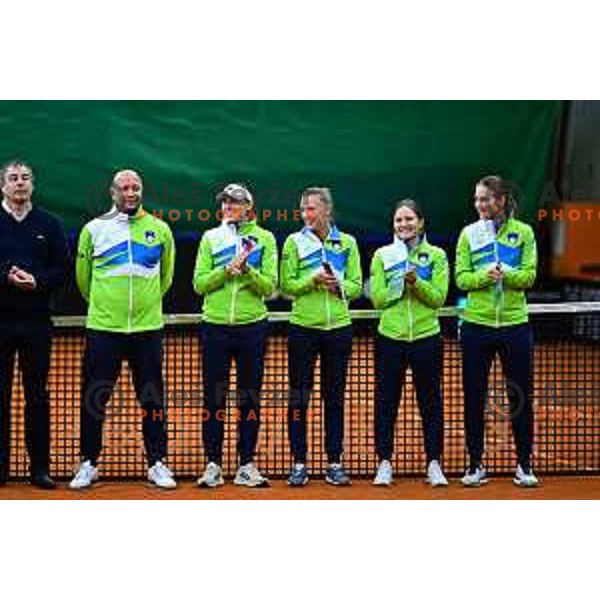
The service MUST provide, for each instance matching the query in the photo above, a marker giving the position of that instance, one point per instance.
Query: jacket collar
(497, 226)
(333, 236)
(243, 228)
(121, 217)
(421, 243)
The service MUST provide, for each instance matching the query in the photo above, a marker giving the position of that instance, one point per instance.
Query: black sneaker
(42, 480)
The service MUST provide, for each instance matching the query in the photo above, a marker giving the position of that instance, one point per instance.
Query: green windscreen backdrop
(370, 153)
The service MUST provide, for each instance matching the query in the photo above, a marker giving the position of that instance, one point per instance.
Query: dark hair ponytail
(499, 188)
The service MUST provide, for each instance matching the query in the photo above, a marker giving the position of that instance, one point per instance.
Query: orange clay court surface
(500, 488)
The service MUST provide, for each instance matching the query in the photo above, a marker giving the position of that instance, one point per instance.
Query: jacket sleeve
(353, 276)
(433, 293)
(55, 273)
(290, 281)
(83, 263)
(524, 277)
(467, 279)
(263, 281)
(167, 261)
(382, 295)
(206, 278)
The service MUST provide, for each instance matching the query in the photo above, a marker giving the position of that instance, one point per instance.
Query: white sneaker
(212, 476)
(85, 476)
(384, 474)
(435, 475)
(161, 476)
(250, 476)
(474, 477)
(525, 479)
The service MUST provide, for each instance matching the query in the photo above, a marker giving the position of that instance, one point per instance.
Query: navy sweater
(38, 245)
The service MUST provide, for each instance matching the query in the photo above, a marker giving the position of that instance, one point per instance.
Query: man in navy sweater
(33, 260)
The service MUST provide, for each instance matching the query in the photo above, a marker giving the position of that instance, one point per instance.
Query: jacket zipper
(409, 300)
(326, 292)
(232, 306)
(410, 316)
(235, 283)
(130, 279)
(327, 308)
(498, 288)
(497, 312)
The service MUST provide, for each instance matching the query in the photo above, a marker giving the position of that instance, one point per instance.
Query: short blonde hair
(324, 194)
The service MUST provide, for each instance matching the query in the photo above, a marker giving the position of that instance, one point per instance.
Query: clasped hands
(238, 266)
(327, 280)
(21, 279)
(495, 272)
(410, 276)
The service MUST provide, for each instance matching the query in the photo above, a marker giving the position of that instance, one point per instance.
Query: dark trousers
(425, 360)
(514, 345)
(104, 353)
(246, 344)
(33, 343)
(334, 348)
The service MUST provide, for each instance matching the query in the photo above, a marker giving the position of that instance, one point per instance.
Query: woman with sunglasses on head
(236, 270)
(409, 282)
(496, 261)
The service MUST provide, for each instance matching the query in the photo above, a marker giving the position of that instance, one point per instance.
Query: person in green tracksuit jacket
(124, 267)
(409, 282)
(320, 271)
(496, 261)
(236, 270)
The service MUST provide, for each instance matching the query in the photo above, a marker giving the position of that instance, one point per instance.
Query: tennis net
(566, 404)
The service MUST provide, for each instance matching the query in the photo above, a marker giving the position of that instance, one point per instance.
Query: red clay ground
(553, 488)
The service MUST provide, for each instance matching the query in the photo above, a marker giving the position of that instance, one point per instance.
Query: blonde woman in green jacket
(409, 282)
(320, 270)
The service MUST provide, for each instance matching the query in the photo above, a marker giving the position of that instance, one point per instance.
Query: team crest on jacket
(423, 257)
(512, 238)
(150, 236)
